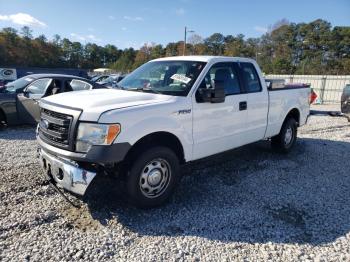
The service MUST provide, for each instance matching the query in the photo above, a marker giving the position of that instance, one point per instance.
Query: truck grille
(54, 128)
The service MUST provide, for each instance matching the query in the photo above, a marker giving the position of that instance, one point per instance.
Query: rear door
(28, 101)
(220, 126)
(257, 103)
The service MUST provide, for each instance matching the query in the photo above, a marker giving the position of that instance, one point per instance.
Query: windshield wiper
(144, 89)
(147, 89)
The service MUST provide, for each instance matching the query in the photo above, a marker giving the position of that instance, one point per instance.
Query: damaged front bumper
(65, 173)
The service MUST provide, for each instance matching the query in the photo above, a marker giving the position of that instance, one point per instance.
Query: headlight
(95, 134)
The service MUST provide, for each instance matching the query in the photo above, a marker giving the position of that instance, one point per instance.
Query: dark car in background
(19, 100)
(345, 102)
(112, 80)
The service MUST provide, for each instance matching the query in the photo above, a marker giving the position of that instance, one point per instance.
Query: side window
(224, 73)
(79, 85)
(38, 87)
(250, 77)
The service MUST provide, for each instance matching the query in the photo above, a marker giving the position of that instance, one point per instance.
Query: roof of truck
(203, 58)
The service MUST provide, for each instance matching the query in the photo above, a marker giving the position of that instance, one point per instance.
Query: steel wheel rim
(288, 137)
(155, 178)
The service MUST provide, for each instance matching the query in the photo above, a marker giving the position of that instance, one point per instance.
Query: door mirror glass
(38, 87)
(78, 85)
(215, 94)
(218, 95)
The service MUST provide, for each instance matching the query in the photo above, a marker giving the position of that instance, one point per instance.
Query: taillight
(313, 96)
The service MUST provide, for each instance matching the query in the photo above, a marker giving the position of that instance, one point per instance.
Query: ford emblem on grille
(45, 123)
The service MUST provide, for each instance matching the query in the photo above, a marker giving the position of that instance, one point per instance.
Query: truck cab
(167, 112)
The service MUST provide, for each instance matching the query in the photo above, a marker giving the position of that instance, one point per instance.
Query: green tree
(126, 61)
(26, 32)
(215, 44)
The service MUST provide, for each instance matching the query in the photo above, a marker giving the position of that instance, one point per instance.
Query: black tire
(143, 175)
(282, 142)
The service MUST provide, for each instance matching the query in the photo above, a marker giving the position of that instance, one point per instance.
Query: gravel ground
(249, 204)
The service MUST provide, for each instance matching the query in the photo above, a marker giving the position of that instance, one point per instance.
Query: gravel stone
(249, 204)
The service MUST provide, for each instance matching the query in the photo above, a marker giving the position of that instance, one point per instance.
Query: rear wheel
(152, 177)
(287, 137)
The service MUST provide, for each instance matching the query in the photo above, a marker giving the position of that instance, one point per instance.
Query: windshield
(164, 77)
(95, 78)
(12, 87)
(109, 79)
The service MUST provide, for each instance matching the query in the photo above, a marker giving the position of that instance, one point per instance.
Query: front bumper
(65, 173)
(98, 154)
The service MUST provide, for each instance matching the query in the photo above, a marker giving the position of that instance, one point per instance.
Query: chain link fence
(328, 87)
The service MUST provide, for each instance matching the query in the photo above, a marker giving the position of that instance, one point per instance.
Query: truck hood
(94, 102)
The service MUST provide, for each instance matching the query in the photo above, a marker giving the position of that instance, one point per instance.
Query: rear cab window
(250, 77)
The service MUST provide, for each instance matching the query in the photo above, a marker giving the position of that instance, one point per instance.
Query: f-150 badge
(184, 111)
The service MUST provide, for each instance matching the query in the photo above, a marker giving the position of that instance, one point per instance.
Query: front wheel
(287, 137)
(152, 177)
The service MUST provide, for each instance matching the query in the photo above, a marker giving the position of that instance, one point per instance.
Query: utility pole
(186, 31)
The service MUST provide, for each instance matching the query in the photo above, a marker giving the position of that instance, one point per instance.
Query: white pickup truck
(167, 112)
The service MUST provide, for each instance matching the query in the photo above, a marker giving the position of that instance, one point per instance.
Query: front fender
(137, 123)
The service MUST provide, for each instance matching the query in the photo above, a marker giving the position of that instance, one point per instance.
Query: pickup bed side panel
(281, 103)
(137, 122)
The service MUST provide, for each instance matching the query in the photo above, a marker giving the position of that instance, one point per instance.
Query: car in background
(19, 100)
(112, 80)
(99, 78)
(345, 102)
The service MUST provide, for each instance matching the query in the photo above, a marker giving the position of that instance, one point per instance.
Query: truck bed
(282, 100)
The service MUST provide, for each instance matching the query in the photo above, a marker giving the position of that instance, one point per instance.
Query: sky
(132, 23)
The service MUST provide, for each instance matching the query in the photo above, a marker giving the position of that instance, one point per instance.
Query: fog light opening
(49, 170)
(60, 174)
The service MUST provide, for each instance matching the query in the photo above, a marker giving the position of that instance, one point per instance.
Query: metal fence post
(291, 78)
(323, 87)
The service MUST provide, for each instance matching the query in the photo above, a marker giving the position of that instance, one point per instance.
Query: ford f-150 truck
(167, 112)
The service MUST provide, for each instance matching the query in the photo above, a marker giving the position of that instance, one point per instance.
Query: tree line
(287, 48)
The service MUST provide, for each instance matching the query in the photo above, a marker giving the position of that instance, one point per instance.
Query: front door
(218, 127)
(28, 101)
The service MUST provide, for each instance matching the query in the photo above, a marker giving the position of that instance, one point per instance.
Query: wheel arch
(161, 138)
(293, 113)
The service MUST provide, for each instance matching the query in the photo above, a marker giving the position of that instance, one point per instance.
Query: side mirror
(212, 95)
(219, 92)
(25, 93)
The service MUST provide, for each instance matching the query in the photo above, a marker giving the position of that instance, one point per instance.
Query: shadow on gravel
(22, 132)
(248, 195)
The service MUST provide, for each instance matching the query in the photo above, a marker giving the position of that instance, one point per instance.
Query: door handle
(243, 105)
